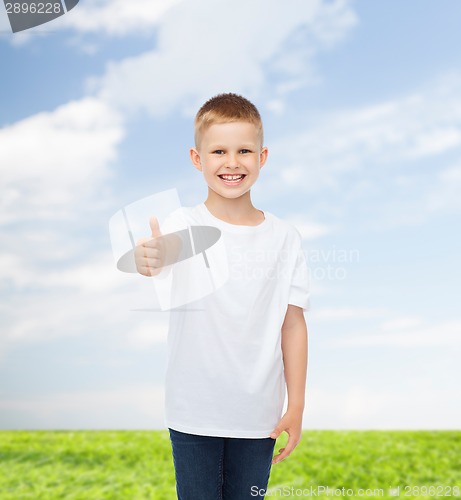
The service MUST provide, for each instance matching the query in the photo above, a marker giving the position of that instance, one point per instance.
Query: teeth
(231, 177)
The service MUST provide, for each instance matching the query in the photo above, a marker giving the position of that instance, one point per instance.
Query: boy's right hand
(150, 253)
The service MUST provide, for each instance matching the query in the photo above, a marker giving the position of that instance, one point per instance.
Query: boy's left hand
(291, 422)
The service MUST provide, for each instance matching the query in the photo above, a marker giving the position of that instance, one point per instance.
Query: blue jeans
(221, 468)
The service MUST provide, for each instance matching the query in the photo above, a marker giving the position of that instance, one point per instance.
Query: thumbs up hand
(150, 253)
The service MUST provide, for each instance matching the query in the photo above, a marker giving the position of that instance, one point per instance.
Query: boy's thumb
(275, 433)
(155, 228)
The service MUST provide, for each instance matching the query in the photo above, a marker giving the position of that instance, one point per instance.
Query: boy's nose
(232, 161)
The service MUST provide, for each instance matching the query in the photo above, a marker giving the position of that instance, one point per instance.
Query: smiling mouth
(232, 177)
(232, 180)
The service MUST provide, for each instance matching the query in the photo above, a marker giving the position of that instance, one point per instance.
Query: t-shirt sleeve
(299, 293)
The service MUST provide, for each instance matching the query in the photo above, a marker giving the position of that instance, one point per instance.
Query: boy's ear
(263, 156)
(195, 158)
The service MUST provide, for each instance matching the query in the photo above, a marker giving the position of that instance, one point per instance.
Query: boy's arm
(294, 349)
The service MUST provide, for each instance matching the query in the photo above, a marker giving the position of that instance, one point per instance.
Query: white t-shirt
(224, 373)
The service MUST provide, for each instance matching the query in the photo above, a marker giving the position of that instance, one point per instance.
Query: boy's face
(229, 149)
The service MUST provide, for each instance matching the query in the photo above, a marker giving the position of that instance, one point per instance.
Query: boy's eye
(220, 151)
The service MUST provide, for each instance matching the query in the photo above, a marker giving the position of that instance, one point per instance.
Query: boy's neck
(234, 210)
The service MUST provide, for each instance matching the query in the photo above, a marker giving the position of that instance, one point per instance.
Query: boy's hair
(225, 108)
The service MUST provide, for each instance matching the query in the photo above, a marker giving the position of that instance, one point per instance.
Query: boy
(230, 358)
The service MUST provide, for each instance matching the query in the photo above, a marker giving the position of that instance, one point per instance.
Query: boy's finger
(276, 432)
(150, 252)
(290, 446)
(141, 241)
(149, 270)
(153, 242)
(154, 227)
(280, 456)
(276, 458)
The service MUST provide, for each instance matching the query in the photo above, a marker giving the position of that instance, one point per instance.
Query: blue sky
(361, 103)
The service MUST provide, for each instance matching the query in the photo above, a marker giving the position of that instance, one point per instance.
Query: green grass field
(88, 465)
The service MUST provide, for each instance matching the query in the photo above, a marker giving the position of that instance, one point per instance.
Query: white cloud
(414, 405)
(122, 408)
(148, 334)
(197, 55)
(348, 313)
(402, 323)
(419, 125)
(309, 230)
(56, 280)
(376, 159)
(30, 269)
(97, 274)
(451, 174)
(4, 23)
(73, 292)
(53, 160)
(405, 335)
(117, 17)
(277, 106)
(443, 197)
